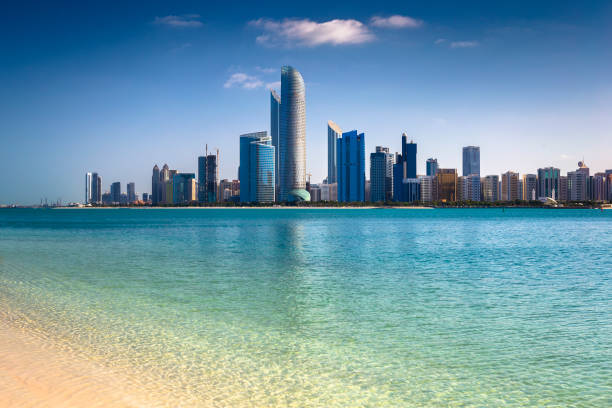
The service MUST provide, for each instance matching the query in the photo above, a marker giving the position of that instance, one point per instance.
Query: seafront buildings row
(273, 169)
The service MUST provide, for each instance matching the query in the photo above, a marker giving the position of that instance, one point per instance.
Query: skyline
(526, 84)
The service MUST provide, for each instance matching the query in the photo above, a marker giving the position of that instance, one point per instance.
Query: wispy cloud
(440, 41)
(242, 80)
(395, 21)
(274, 85)
(266, 70)
(308, 33)
(182, 21)
(464, 44)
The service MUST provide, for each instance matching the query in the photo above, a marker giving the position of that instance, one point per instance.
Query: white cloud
(273, 85)
(308, 33)
(266, 70)
(464, 44)
(242, 80)
(440, 41)
(396, 21)
(182, 21)
(565, 156)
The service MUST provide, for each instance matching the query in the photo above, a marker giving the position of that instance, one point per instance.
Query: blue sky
(116, 87)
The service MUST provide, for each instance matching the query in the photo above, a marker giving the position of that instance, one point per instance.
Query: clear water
(326, 308)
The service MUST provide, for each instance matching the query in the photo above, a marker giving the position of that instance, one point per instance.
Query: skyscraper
(471, 160)
(429, 188)
(275, 102)
(381, 175)
(131, 192)
(257, 178)
(409, 155)
(350, 152)
(96, 188)
(115, 192)
(88, 183)
(548, 182)
(292, 137)
(183, 188)
(577, 183)
(431, 167)
(509, 183)
(333, 133)
(207, 178)
(155, 187)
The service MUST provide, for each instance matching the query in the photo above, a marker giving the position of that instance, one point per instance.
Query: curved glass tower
(292, 135)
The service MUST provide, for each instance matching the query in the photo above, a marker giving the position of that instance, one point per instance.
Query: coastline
(245, 208)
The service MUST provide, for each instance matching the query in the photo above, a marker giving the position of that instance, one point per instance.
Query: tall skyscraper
(155, 187)
(509, 183)
(350, 152)
(115, 192)
(292, 137)
(530, 187)
(131, 192)
(471, 160)
(431, 167)
(96, 188)
(256, 172)
(409, 155)
(275, 102)
(548, 182)
(447, 184)
(88, 183)
(207, 178)
(405, 167)
(381, 175)
(333, 134)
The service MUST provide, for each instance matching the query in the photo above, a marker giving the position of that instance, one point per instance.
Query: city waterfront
(312, 307)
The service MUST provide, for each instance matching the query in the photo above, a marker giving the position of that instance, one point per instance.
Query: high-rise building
(411, 190)
(256, 171)
(115, 192)
(510, 188)
(292, 137)
(88, 183)
(334, 132)
(563, 193)
(468, 188)
(207, 178)
(131, 192)
(329, 192)
(275, 101)
(530, 187)
(608, 185)
(429, 188)
(471, 160)
(490, 188)
(431, 167)
(381, 175)
(409, 156)
(548, 182)
(447, 184)
(145, 197)
(350, 152)
(96, 188)
(155, 186)
(183, 188)
(599, 187)
(578, 183)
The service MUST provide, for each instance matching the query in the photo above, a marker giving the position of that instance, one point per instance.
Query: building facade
(490, 188)
(334, 132)
(257, 177)
(115, 192)
(548, 182)
(381, 175)
(471, 160)
(131, 192)
(530, 187)
(292, 137)
(350, 153)
(183, 188)
(510, 186)
(88, 185)
(429, 188)
(275, 102)
(447, 184)
(431, 167)
(208, 178)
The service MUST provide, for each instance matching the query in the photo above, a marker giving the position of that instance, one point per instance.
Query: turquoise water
(466, 307)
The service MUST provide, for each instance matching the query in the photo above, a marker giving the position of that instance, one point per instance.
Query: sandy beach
(34, 372)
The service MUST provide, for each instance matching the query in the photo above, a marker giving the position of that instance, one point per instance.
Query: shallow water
(311, 307)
